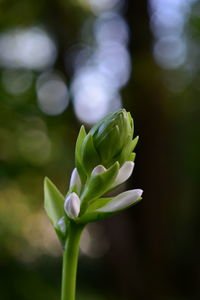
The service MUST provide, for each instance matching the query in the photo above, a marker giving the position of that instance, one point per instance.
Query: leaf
(98, 203)
(134, 143)
(89, 155)
(131, 122)
(132, 156)
(82, 134)
(53, 202)
(100, 184)
(126, 152)
(81, 171)
(91, 214)
(94, 213)
(108, 146)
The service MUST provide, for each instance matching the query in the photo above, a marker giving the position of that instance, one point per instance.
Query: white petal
(122, 201)
(98, 170)
(124, 173)
(75, 179)
(72, 205)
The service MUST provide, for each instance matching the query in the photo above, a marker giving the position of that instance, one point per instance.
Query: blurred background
(64, 63)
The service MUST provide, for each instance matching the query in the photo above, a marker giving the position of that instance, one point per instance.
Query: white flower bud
(98, 170)
(124, 173)
(122, 201)
(72, 205)
(75, 180)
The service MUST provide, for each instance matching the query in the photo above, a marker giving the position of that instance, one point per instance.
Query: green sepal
(131, 122)
(74, 189)
(132, 156)
(126, 152)
(89, 155)
(82, 134)
(81, 171)
(53, 201)
(53, 204)
(107, 144)
(99, 184)
(99, 127)
(134, 143)
(62, 234)
(91, 215)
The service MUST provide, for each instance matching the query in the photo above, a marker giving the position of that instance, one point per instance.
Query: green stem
(70, 261)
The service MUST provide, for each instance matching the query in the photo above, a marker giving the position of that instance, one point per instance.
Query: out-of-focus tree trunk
(144, 232)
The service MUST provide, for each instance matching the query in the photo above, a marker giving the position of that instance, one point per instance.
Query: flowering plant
(104, 159)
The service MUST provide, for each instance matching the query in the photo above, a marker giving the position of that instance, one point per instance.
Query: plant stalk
(70, 262)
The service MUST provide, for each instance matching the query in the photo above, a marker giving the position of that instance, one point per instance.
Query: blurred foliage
(149, 252)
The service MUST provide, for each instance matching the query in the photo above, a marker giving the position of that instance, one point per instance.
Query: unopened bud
(75, 180)
(124, 173)
(98, 170)
(72, 205)
(108, 141)
(122, 201)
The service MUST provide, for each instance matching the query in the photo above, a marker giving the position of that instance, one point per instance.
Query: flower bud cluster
(104, 160)
(72, 204)
(108, 141)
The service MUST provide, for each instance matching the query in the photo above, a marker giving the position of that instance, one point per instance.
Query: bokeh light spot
(52, 94)
(111, 27)
(170, 52)
(92, 95)
(17, 82)
(113, 61)
(30, 48)
(94, 242)
(100, 6)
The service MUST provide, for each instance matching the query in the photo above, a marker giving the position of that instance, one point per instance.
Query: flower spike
(103, 160)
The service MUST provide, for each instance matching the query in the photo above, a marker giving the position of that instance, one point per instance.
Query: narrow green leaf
(98, 203)
(53, 202)
(108, 144)
(126, 152)
(89, 155)
(132, 156)
(91, 215)
(134, 143)
(131, 122)
(82, 134)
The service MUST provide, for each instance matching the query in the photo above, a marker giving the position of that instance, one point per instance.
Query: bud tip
(98, 170)
(139, 192)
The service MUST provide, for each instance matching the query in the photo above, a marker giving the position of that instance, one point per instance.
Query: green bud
(107, 142)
